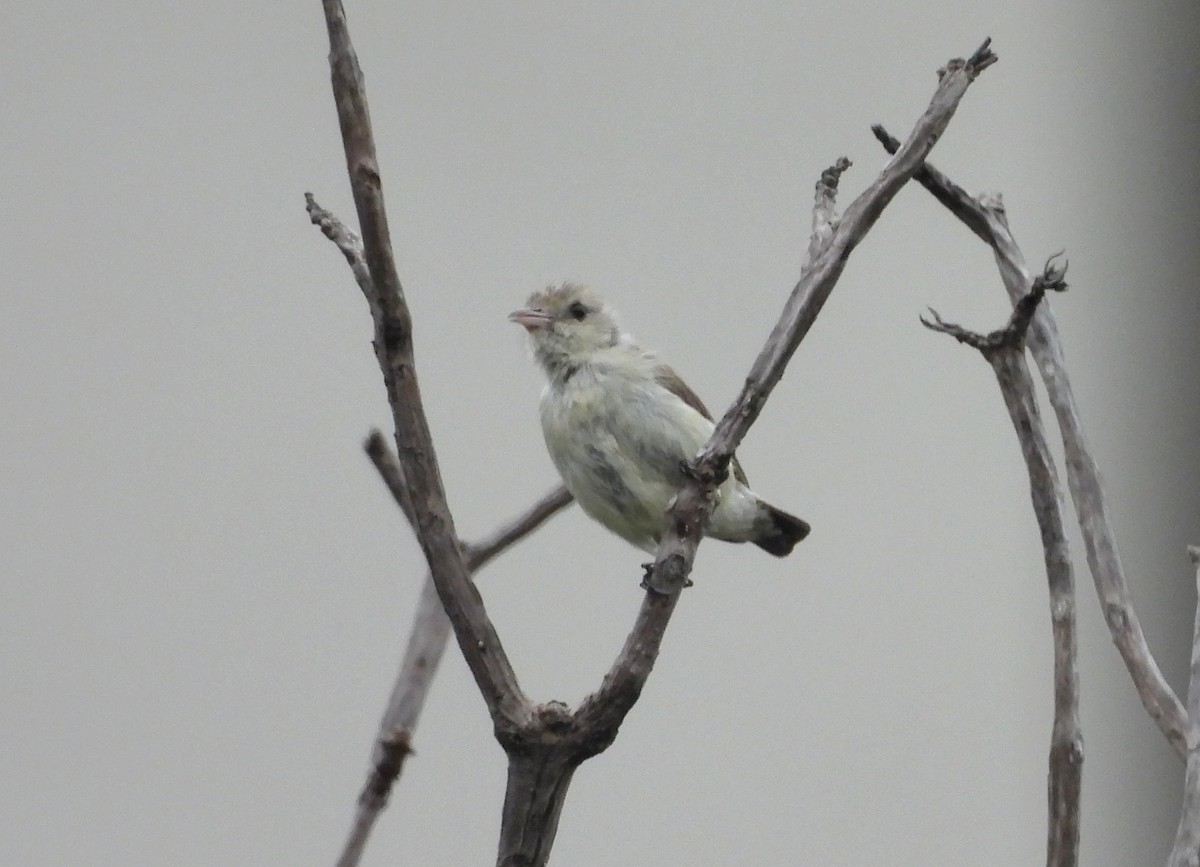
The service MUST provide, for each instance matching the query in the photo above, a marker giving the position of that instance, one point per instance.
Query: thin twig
(1015, 331)
(986, 218)
(957, 200)
(479, 554)
(1186, 850)
(1005, 351)
(347, 240)
(824, 217)
(390, 471)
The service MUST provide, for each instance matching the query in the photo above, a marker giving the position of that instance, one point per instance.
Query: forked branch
(986, 218)
(546, 742)
(1005, 351)
(427, 639)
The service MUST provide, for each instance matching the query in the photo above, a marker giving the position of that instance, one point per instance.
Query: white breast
(617, 438)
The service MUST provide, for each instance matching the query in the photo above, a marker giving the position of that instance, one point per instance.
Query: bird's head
(567, 325)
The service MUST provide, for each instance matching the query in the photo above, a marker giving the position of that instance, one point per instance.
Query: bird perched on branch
(621, 427)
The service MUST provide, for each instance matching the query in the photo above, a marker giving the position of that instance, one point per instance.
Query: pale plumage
(619, 423)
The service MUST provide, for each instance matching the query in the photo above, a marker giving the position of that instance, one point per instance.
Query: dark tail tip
(781, 534)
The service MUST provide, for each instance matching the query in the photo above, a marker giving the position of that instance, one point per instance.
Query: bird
(621, 427)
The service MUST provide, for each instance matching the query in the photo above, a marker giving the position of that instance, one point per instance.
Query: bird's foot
(700, 472)
(648, 571)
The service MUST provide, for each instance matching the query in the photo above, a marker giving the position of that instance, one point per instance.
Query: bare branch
(434, 523)
(1005, 351)
(957, 200)
(604, 710)
(986, 218)
(391, 751)
(824, 207)
(815, 286)
(809, 296)
(1186, 851)
(1013, 334)
(545, 742)
(426, 645)
(346, 240)
(389, 469)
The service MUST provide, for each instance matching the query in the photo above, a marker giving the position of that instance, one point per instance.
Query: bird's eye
(577, 311)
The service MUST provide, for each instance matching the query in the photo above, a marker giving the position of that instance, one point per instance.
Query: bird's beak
(532, 320)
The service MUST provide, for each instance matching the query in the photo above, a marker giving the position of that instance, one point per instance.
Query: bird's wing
(669, 379)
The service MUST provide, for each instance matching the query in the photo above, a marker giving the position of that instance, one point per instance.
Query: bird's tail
(777, 531)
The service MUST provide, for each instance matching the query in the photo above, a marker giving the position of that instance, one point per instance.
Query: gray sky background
(206, 590)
